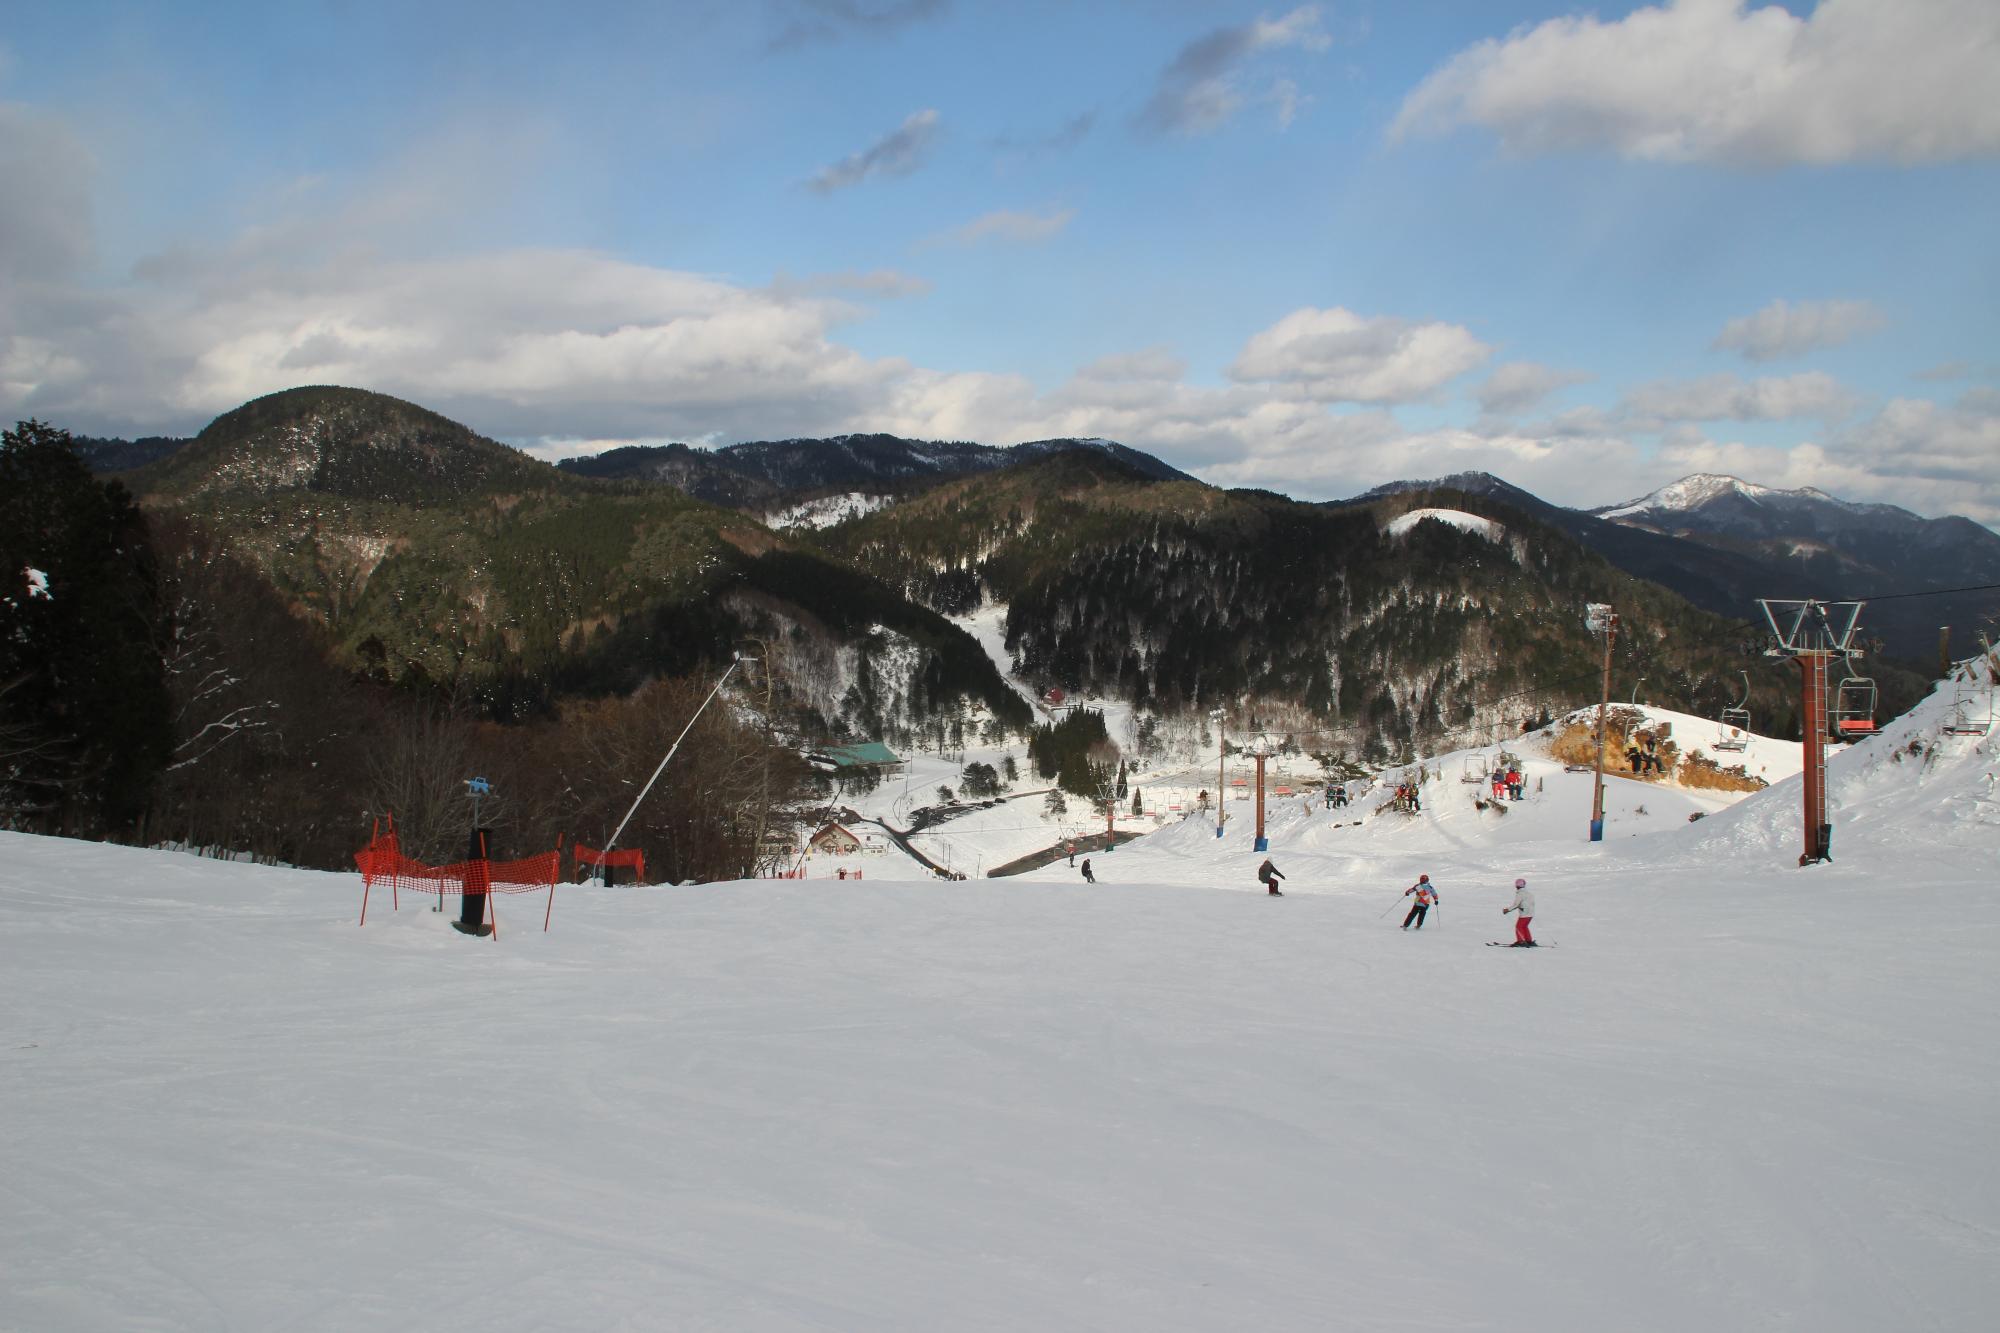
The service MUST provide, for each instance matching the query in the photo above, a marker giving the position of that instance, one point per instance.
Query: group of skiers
(1507, 779)
(1426, 897)
(1406, 800)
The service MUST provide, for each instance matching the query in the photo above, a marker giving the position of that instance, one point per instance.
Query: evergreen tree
(84, 715)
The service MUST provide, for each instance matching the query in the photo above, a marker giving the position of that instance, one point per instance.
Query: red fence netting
(630, 858)
(383, 859)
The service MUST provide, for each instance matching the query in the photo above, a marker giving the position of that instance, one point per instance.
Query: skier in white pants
(1524, 903)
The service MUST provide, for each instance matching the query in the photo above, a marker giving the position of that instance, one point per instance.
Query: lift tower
(1813, 634)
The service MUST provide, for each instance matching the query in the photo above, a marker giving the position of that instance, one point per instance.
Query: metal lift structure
(1813, 633)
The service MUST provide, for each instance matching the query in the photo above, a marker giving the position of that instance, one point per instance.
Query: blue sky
(1305, 247)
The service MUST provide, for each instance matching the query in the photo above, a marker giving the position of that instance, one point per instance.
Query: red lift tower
(1813, 634)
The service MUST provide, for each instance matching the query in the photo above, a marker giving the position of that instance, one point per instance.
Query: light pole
(1260, 749)
(739, 661)
(1635, 690)
(1221, 754)
(1601, 619)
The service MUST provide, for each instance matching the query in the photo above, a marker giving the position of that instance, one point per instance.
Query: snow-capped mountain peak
(1695, 491)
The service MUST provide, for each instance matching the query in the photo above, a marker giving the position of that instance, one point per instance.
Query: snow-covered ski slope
(1740, 1095)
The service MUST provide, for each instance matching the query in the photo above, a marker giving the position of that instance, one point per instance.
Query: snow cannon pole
(554, 875)
(620, 830)
(367, 871)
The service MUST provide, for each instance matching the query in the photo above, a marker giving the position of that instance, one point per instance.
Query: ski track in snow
(1740, 1095)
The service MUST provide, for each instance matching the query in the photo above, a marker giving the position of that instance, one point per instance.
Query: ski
(1510, 944)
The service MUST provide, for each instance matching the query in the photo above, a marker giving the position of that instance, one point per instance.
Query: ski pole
(1393, 906)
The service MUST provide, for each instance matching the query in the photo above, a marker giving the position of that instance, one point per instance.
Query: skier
(1088, 878)
(1524, 903)
(1426, 895)
(1268, 875)
(1513, 784)
(1072, 853)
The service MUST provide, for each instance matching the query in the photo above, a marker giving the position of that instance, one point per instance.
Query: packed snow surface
(1457, 518)
(1737, 1094)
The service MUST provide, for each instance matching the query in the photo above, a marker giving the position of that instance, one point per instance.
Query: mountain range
(1724, 543)
(425, 548)
(339, 602)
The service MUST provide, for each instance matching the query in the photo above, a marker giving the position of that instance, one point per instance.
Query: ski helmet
(1423, 879)
(1520, 883)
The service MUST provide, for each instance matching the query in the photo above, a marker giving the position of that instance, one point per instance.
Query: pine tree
(84, 699)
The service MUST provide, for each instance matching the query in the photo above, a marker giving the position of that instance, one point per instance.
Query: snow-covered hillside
(1457, 518)
(826, 511)
(1736, 1094)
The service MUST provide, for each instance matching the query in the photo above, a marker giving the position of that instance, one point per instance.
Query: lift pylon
(1812, 633)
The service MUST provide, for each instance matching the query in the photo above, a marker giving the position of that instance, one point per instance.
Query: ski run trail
(1741, 1095)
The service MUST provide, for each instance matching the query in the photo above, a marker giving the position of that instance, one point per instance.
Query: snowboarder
(1268, 875)
(1426, 896)
(1524, 903)
(1088, 878)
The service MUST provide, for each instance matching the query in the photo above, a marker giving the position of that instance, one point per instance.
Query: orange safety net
(383, 860)
(630, 858)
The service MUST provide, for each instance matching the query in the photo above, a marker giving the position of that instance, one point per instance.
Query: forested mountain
(1722, 544)
(102, 455)
(1837, 550)
(766, 475)
(1319, 618)
(330, 592)
(434, 555)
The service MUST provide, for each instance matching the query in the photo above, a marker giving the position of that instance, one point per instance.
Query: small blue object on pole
(1597, 830)
(1263, 845)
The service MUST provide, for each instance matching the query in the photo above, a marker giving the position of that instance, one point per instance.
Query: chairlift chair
(1735, 722)
(1966, 710)
(1853, 713)
(1474, 769)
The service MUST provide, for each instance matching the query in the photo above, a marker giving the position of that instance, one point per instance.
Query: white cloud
(897, 153)
(1782, 329)
(1010, 227)
(1733, 398)
(1202, 88)
(880, 283)
(562, 347)
(1335, 356)
(1717, 80)
(1520, 385)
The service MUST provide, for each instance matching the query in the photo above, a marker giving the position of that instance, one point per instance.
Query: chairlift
(1735, 722)
(1971, 705)
(1474, 769)
(1853, 713)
